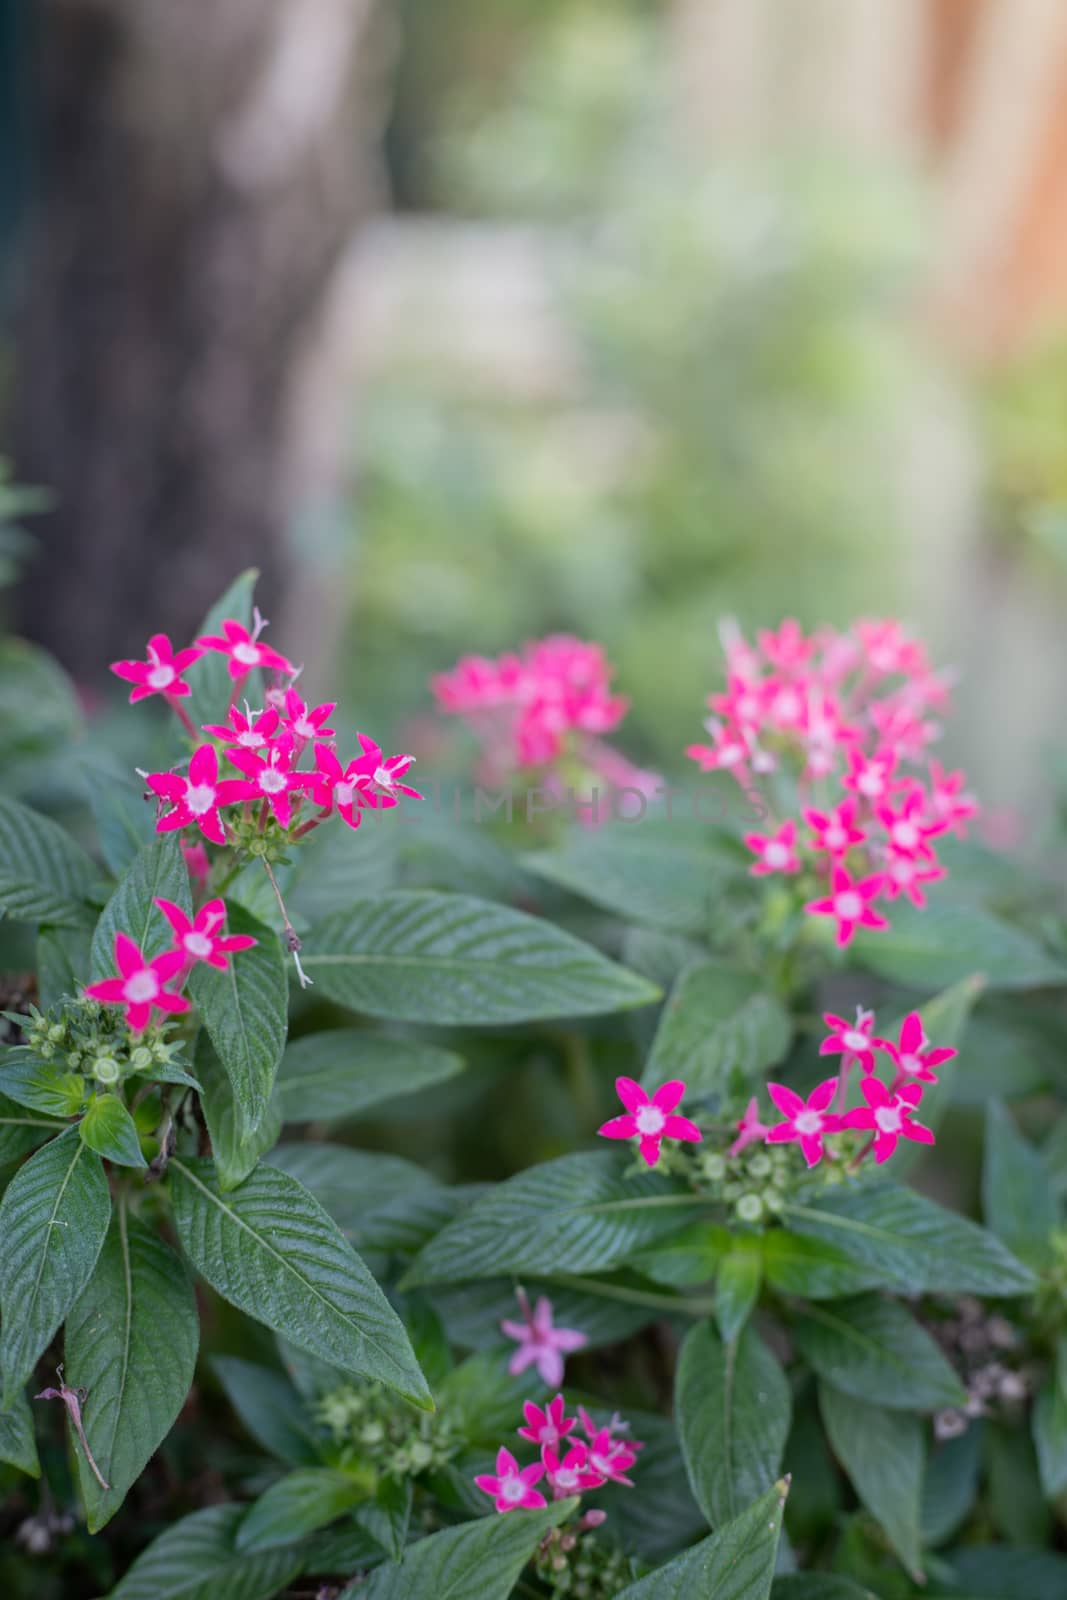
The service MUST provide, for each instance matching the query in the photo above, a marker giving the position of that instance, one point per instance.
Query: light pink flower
(728, 751)
(271, 778)
(750, 1129)
(852, 1040)
(244, 650)
(196, 799)
(948, 798)
(573, 1474)
(611, 1458)
(776, 851)
(512, 1487)
(905, 876)
(650, 1119)
(541, 1345)
(616, 1424)
(908, 830)
(141, 985)
(835, 831)
(871, 777)
(912, 1054)
(788, 649)
(248, 730)
(549, 1426)
(806, 1121)
(161, 673)
(850, 903)
(201, 939)
(889, 1116)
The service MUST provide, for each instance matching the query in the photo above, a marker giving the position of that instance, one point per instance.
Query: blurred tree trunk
(201, 166)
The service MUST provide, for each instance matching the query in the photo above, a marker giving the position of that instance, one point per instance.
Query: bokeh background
(466, 320)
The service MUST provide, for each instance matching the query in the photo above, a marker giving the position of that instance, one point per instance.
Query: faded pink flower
(196, 799)
(201, 938)
(871, 777)
(905, 876)
(244, 649)
(161, 673)
(512, 1487)
(367, 781)
(196, 862)
(850, 903)
(888, 1116)
(850, 1039)
(806, 1121)
(573, 1474)
(912, 1054)
(541, 1345)
(141, 985)
(650, 1119)
(750, 1129)
(776, 851)
(549, 1426)
(948, 798)
(611, 1458)
(616, 1424)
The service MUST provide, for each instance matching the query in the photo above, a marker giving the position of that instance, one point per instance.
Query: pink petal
(649, 1148)
(917, 1131)
(911, 1033)
(781, 1133)
(128, 958)
(669, 1094)
(506, 1465)
(875, 1092)
(524, 1357)
(204, 766)
(681, 1128)
(488, 1483)
(821, 1096)
(174, 915)
(787, 1100)
(567, 1340)
(884, 1145)
(619, 1128)
(109, 990)
(811, 1146)
(550, 1366)
(631, 1094)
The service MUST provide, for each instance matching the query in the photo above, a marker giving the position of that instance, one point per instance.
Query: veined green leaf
(1018, 1200)
(108, 1128)
(874, 1349)
(717, 1020)
(999, 1572)
(302, 1502)
(245, 1011)
(235, 1152)
(158, 869)
(42, 1086)
(18, 1444)
(326, 1076)
(21, 1130)
(882, 1452)
(1049, 1422)
(737, 1287)
(478, 1560)
(950, 1484)
(198, 1559)
(125, 820)
(44, 875)
(736, 1563)
(270, 1408)
(933, 948)
(62, 963)
(813, 1268)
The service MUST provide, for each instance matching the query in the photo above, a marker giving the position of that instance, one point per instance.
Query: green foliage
(736, 1563)
(245, 1012)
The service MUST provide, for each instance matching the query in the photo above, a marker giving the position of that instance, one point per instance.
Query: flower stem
(292, 939)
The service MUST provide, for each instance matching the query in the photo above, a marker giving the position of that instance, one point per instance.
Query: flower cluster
(568, 1466)
(144, 987)
(543, 713)
(829, 725)
(888, 1114)
(370, 1425)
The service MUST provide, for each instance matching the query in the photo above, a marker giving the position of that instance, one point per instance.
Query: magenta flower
(650, 1120)
(540, 1344)
(304, 724)
(615, 1424)
(270, 778)
(549, 1426)
(368, 780)
(871, 777)
(611, 1458)
(912, 1055)
(141, 985)
(197, 864)
(197, 798)
(247, 730)
(728, 751)
(905, 876)
(835, 831)
(888, 1116)
(850, 903)
(908, 831)
(201, 939)
(750, 1129)
(806, 1121)
(243, 648)
(512, 1487)
(948, 798)
(776, 851)
(573, 1474)
(850, 1039)
(161, 673)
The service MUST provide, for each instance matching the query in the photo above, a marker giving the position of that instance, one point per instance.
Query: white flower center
(548, 1436)
(776, 854)
(848, 905)
(905, 834)
(604, 1466)
(246, 654)
(567, 1478)
(343, 793)
(787, 706)
(836, 838)
(910, 1064)
(198, 945)
(650, 1120)
(807, 1123)
(271, 781)
(383, 779)
(888, 1119)
(250, 739)
(730, 755)
(141, 986)
(161, 677)
(304, 729)
(512, 1490)
(200, 798)
(748, 708)
(854, 1040)
(871, 782)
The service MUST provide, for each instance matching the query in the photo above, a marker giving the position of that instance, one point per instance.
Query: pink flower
(303, 724)
(615, 1424)
(890, 1116)
(270, 778)
(871, 777)
(850, 1039)
(161, 673)
(243, 648)
(727, 752)
(573, 1474)
(787, 649)
(540, 1344)
(806, 1122)
(200, 939)
(911, 1054)
(384, 783)
(908, 832)
(850, 903)
(512, 1487)
(250, 731)
(835, 831)
(611, 1458)
(948, 799)
(547, 1427)
(141, 985)
(776, 851)
(345, 788)
(197, 864)
(905, 876)
(750, 1129)
(197, 798)
(650, 1120)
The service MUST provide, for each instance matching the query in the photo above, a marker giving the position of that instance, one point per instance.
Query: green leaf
(664, 1517)
(130, 1343)
(1049, 1422)
(125, 820)
(950, 1484)
(235, 1153)
(378, 1201)
(818, 1586)
(198, 1559)
(914, 1244)
(882, 1452)
(447, 958)
(1018, 1200)
(476, 1561)
(272, 1251)
(737, 1287)
(18, 1444)
(44, 875)
(796, 1264)
(1016, 1504)
(576, 1214)
(245, 1011)
(209, 678)
(717, 1021)
(41, 1085)
(53, 1220)
(327, 1076)
(62, 963)
(21, 1132)
(736, 1563)
(688, 1257)
(998, 1572)
(872, 1348)
(158, 869)
(301, 1502)
(667, 874)
(270, 1408)
(733, 1407)
(932, 948)
(108, 1128)
(480, 1397)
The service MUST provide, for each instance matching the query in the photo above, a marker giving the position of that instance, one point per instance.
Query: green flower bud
(761, 1165)
(141, 1059)
(371, 1433)
(749, 1208)
(421, 1455)
(106, 1070)
(714, 1168)
(56, 1032)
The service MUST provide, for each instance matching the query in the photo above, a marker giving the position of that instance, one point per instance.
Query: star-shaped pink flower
(650, 1119)
(750, 1129)
(573, 1474)
(247, 730)
(776, 851)
(835, 831)
(512, 1487)
(304, 724)
(908, 831)
(888, 1116)
(912, 1054)
(871, 777)
(270, 777)
(541, 1345)
(904, 876)
(244, 649)
(805, 1121)
(549, 1426)
(850, 1039)
(161, 673)
(850, 903)
(949, 800)
(201, 939)
(141, 985)
(611, 1458)
(196, 799)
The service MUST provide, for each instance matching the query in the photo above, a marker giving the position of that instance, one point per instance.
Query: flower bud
(106, 1069)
